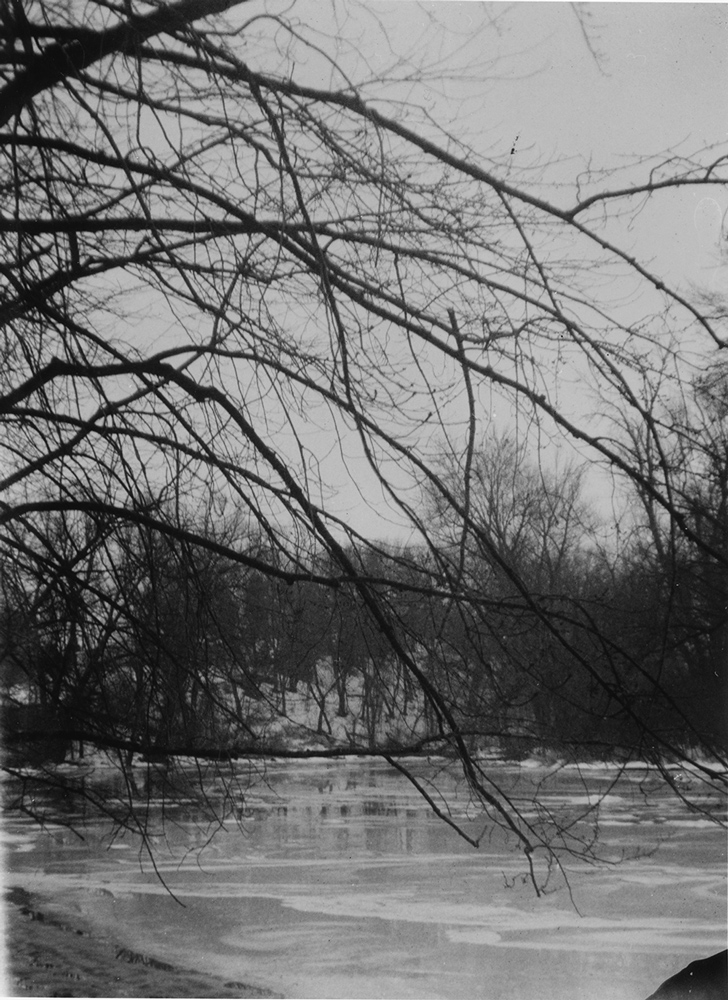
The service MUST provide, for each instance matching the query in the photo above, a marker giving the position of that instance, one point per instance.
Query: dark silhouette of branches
(234, 303)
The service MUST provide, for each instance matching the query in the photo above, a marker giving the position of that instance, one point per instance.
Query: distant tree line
(111, 630)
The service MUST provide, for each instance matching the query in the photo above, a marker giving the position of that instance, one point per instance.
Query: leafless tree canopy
(241, 286)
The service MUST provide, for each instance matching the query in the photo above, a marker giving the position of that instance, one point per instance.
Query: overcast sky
(537, 84)
(621, 81)
(661, 82)
(653, 77)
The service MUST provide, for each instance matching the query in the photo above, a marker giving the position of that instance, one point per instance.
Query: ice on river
(337, 881)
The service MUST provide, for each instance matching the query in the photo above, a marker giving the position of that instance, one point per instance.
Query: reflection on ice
(620, 941)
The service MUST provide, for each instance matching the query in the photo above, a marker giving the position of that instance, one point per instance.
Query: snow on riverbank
(52, 953)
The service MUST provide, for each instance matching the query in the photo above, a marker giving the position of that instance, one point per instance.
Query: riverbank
(53, 954)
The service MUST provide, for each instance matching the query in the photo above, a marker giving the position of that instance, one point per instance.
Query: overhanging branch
(69, 57)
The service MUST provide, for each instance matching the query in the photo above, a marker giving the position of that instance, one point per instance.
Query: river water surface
(336, 880)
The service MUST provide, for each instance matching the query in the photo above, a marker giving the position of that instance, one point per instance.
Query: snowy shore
(51, 953)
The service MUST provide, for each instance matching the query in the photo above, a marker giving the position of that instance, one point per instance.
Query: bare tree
(212, 264)
(688, 587)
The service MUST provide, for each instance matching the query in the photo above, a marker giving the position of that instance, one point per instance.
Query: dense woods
(565, 642)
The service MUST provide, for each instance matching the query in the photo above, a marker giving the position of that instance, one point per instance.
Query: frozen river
(342, 883)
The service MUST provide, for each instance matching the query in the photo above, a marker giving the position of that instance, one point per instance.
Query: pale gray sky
(653, 77)
(533, 83)
(661, 82)
(660, 76)
(657, 79)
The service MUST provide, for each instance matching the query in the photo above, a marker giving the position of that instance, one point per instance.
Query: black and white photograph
(364, 499)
